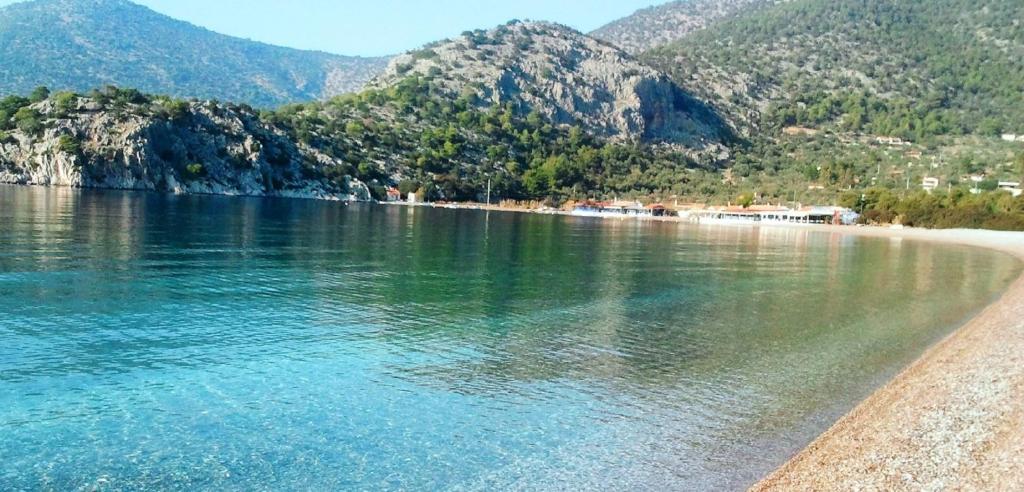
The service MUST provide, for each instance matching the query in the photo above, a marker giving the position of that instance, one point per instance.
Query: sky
(379, 27)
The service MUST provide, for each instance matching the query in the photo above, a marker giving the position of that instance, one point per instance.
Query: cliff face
(166, 146)
(565, 76)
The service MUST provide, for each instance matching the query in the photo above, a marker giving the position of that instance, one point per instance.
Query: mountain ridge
(663, 24)
(117, 42)
(566, 76)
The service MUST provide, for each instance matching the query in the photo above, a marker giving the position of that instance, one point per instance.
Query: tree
(355, 129)
(69, 145)
(65, 102)
(195, 171)
(39, 94)
(28, 120)
(745, 200)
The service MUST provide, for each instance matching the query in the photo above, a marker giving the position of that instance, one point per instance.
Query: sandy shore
(953, 420)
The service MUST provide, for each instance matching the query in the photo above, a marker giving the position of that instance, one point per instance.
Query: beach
(954, 419)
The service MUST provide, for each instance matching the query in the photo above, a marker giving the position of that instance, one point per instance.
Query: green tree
(355, 129)
(39, 94)
(746, 200)
(65, 102)
(195, 171)
(69, 145)
(28, 120)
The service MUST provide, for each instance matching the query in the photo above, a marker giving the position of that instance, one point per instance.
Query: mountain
(123, 139)
(566, 77)
(663, 24)
(531, 110)
(886, 67)
(83, 44)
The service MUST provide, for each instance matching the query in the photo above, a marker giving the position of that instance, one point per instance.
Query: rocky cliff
(124, 140)
(566, 77)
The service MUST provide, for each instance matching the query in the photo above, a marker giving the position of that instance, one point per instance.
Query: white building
(1011, 137)
(930, 184)
(1011, 186)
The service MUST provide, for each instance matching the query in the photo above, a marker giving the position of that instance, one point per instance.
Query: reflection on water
(154, 341)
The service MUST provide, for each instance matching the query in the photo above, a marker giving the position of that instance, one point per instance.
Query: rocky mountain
(122, 139)
(885, 67)
(663, 24)
(82, 44)
(566, 77)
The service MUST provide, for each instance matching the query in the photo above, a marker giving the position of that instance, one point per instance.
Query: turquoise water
(183, 343)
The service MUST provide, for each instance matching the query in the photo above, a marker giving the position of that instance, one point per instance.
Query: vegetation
(886, 67)
(38, 38)
(195, 171)
(662, 24)
(28, 120)
(990, 210)
(941, 78)
(69, 145)
(415, 133)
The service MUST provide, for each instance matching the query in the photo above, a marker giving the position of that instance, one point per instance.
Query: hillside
(123, 139)
(82, 44)
(887, 67)
(413, 135)
(567, 77)
(663, 24)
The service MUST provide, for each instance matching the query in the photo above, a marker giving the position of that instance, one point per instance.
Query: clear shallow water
(183, 343)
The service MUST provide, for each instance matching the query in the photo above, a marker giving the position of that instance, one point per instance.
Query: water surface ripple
(182, 343)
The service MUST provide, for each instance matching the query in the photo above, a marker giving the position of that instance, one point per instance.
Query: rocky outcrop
(566, 77)
(163, 145)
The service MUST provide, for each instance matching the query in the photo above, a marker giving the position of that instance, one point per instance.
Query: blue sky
(379, 27)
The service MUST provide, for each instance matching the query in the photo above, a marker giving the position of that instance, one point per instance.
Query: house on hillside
(1012, 137)
(930, 184)
(1011, 186)
(893, 141)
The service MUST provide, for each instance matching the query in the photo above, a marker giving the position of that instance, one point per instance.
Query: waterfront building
(768, 215)
(618, 208)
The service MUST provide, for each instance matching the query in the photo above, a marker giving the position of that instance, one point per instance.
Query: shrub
(425, 54)
(41, 93)
(69, 145)
(177, 109)
(195, 171)
(66, 102)
(28, 120)
(403, 68)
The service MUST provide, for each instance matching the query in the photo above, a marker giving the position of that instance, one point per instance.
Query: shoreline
(953, 418)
